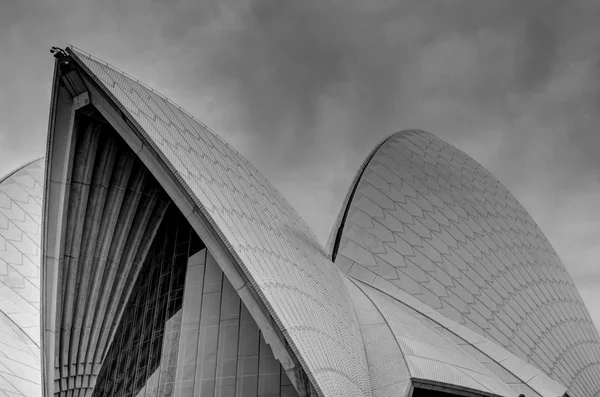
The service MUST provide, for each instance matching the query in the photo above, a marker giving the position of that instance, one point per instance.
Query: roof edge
(509, 361)
(335, 234)
(198, 217)
(19, 168)
(46, 361)
(333, 242)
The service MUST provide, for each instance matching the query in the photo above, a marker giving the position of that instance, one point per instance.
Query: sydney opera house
(143, 257)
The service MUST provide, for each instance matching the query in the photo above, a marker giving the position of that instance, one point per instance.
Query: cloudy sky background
(305, 89)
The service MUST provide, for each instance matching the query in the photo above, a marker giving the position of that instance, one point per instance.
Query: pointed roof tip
(12, 172)
(56, 49)
(60, 54)
(333, 241)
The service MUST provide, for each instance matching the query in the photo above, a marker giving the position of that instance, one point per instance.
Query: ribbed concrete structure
(21, 196)
(171, 267)
(114, 210)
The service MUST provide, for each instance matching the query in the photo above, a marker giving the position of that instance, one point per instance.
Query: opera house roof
(21, 196)
(171, 266)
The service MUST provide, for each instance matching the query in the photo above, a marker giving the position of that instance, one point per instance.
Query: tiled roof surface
(401, 346)
(425, 218)
(20, 220)
(279, 254)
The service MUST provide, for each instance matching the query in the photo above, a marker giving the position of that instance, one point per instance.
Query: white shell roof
(311, 300)
(400, 346)
(285, 263)
(424, 218)
(20, 222)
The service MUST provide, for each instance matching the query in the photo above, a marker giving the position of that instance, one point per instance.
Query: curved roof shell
(238, 213)
(333, 325)
(403, 349)
(424, 218)
(21, 194)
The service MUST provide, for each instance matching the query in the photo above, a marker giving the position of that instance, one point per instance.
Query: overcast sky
(304, 91)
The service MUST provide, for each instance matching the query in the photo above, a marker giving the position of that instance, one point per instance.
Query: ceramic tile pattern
(115, 208)
(511, 370)
(20, 220)
(433, 253)
(426, 219)
(428, 354)
(278, 253)
(401, 347)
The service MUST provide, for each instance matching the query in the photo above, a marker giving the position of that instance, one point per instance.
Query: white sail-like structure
(21, 196)
(172, 267)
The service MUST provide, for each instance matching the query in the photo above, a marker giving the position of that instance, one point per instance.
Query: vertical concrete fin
(151, 219)
(113, 212)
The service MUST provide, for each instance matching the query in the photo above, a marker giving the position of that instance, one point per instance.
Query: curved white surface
(20, 223)
(411, 195)
(277, 252)
(426, 219)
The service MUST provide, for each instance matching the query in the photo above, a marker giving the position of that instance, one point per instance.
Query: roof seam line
(386, 323)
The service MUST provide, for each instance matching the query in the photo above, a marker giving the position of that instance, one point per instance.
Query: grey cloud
(305, 89)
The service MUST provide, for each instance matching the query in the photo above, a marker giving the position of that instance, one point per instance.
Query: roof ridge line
(360, 286)
(17, 169)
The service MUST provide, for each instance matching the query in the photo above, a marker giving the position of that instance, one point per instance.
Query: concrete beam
(57, 189)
